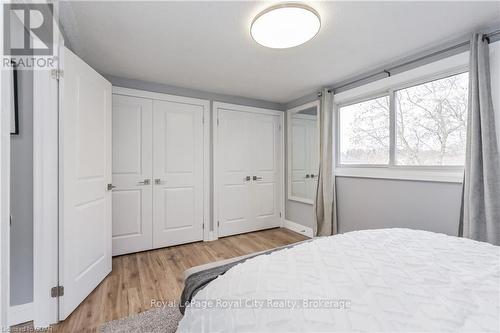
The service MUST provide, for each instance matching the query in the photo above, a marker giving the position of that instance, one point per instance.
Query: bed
(382, 280)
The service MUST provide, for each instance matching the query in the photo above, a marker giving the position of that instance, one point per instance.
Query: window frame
(360, 99)
(391, 170)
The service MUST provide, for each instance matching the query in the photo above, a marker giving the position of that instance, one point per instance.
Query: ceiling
(207, 45)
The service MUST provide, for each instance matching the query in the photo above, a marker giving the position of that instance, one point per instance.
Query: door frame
(45, 197)
(206, 140)
(215, 139)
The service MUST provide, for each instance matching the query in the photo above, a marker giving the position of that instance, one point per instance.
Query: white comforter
(391, 280)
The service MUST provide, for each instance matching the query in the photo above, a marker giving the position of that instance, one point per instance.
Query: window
(430, 124)
(364, 132)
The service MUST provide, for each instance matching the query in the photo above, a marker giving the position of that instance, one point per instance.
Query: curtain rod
(388, 71)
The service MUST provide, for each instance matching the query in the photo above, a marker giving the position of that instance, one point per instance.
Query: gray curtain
(480, 216)
(324, 204)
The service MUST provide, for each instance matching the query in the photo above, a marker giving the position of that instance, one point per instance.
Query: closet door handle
(307, 176)
(313, 176)
(257, 178)
(145, 182)
(158, 181)
(247, 178)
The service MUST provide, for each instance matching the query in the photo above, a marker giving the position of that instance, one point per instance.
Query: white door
(265, 141)
(178, 169)
(234, 172)
(249, 176)
(132, 174)
(85, 171)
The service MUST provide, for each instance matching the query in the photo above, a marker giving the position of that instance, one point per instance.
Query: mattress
(387, 280)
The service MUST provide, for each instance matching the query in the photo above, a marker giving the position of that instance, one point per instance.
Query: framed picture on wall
(14, 115)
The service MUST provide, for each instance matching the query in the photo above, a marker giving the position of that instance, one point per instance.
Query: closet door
(265, 142)
(177, 172)
(248, 168)
(235, 172)
(132, 174)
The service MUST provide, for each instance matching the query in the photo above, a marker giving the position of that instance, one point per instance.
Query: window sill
(426, 175)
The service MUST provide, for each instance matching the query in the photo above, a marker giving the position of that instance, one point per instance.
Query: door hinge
(217, 121)
(218, 223)
(279, 127)
(57, 291)
(280, 214)
(56, 74)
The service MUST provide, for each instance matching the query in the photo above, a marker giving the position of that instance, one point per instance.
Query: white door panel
(178, 173)
(266, 175)
(85, 171)
(249, 171)
(235, 167)
(132, 170)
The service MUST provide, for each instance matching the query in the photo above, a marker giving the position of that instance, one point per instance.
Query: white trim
(159, 96)
(45, 197)
(282, 166)
(298, 228)
(215, 168)
(46, 190)
(19, 314)
(215, 144)
(243, 108)
(207, 171)
(448, 176)
(289, 113)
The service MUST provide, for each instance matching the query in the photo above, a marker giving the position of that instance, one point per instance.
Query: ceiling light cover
(285, 26)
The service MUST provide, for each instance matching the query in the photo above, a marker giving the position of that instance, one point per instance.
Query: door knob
(313, 176)
(109, 187)
(257, 178)
(145, 182)
(307, 176)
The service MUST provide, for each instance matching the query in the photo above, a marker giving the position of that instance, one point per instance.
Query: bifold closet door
(132, 174)
(178, 146)
(249, 175)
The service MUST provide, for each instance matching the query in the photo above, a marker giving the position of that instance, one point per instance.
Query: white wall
(365, 203)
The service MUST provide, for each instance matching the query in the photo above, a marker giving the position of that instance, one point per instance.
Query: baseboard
(19, 314)
(298, 228)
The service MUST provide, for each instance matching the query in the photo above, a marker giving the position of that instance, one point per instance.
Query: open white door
(85, 172)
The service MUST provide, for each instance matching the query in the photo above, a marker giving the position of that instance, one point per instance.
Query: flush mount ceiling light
(285, 25)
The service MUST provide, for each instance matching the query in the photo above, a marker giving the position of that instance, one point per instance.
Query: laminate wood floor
(138, 278)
